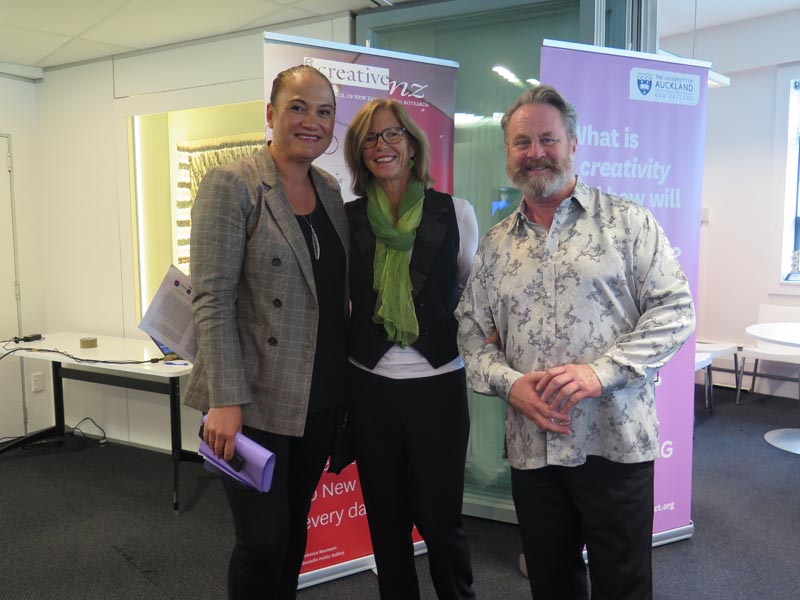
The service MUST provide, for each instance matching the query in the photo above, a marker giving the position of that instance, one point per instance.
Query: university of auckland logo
(645, 83)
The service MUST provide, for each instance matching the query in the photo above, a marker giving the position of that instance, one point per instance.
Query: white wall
(740, 247)
(78, 213)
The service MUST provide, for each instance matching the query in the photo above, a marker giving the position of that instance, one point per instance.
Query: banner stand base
(491, 508)
(350, 567)
(504, 512)
(664, 537)
(368, 562)
(673, 535)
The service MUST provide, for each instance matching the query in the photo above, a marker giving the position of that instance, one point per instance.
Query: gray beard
(541, 186)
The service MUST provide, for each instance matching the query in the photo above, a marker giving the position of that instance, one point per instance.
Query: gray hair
(545, 94)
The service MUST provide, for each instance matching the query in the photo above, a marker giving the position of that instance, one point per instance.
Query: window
(788, 136)
(793, 166)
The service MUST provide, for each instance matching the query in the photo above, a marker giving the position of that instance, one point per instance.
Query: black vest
(434, 281)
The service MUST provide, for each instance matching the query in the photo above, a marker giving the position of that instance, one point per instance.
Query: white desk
(785, 334)
(166, 380)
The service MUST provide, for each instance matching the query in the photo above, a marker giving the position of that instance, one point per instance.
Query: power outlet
(37, 382)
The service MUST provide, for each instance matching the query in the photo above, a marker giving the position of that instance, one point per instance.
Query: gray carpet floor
(85, 521)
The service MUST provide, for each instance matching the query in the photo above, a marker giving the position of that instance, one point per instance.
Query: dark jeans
(606, 505)
(410, 440)
(271, 528)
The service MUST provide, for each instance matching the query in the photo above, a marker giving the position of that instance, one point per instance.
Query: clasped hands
(548, 397)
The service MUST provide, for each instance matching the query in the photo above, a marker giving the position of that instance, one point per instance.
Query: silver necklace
(314, 239)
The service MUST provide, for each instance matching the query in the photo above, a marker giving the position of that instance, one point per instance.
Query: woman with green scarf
(412, 249)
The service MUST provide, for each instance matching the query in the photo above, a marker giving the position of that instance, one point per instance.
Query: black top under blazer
(434, 280)
(255, 302)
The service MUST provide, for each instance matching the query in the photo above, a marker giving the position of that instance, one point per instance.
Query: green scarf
(395, 306)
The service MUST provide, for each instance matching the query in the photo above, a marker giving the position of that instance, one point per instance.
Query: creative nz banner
(641, 132)
(338, 534)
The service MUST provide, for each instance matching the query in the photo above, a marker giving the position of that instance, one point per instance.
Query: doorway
(12, 412)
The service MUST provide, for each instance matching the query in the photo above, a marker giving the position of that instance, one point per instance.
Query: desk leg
(58, 398)
(57, 430)
(175, 425)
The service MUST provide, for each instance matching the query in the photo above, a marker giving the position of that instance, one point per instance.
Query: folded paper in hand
(258, 463)
(168, 319)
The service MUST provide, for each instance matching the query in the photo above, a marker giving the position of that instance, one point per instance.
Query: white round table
(785, 334)
(785, 439)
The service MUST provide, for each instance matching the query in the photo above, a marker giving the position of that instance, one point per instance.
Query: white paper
(169, 317)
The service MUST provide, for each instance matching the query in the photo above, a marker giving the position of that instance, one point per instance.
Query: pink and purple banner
(425, 86)
(642, 121)
(338, 534)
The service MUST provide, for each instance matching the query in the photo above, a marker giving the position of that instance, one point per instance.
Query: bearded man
(574, 302)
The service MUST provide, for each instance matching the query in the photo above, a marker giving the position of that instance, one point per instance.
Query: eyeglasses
(390, 135)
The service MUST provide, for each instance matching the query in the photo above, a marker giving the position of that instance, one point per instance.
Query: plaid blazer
(255, 305)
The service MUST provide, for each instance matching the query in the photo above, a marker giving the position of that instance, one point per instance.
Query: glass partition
(498, 51)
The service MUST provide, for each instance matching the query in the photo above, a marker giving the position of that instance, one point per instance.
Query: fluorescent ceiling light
(716, 80)
(505, 74)
(533, 81)
(464, 119)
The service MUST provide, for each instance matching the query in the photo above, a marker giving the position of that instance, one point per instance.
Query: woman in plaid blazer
(269, 252)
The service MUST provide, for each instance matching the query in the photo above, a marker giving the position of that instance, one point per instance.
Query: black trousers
(271, 528)
(605, 505)
(410, 440)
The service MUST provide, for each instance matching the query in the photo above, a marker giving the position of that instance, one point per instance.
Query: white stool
(716, 350)
(702, 360)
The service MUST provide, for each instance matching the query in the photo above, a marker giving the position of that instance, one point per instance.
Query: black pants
(606, 505)
(410, 439)
(271, 529)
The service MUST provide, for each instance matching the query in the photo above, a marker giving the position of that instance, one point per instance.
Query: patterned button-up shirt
(602, 287)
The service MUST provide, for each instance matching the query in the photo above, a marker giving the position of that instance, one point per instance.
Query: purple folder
(258, 463)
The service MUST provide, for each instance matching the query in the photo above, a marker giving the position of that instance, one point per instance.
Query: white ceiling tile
(25, 47)
(67, 17)
(150, 23)
(286, 14)
(323, 7)
(77, 50)
(32, 31)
